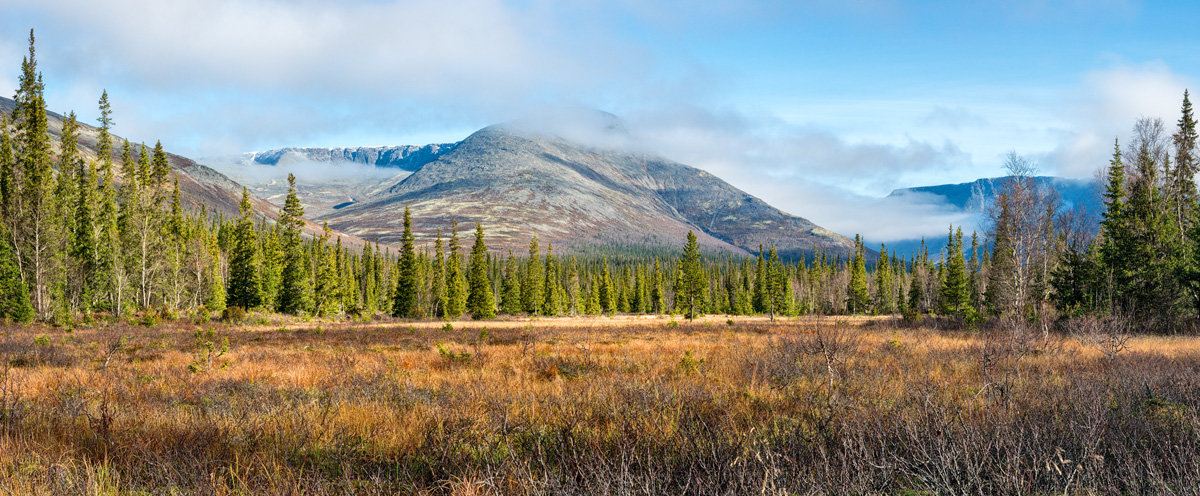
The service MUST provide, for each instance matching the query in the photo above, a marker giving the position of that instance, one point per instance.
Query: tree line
(81, 234)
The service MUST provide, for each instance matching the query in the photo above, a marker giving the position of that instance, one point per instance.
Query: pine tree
(294, 292)
(243, 289)
(404, 302)
(531, 287)
(481, 302)
(693, 276)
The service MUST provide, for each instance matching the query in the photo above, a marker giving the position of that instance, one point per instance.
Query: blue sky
(820, 107)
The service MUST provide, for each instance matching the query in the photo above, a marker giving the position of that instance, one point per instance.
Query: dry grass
(598, 406)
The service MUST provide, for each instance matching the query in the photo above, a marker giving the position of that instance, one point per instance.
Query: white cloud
(1109, 102)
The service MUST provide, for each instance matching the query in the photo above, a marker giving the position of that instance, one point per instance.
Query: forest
(109, 235)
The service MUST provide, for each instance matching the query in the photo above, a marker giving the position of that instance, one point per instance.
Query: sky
(820, 107)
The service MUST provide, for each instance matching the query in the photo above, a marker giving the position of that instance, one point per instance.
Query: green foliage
(207, 352)
(954, 296)
(692, 275)
(481, 302)
(689, 364)
(404, 303)
(858, 296)
(294, 292)
(243, 289)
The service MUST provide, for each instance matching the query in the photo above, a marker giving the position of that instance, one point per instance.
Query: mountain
(972, 199)
(200, 187)
(975, 196)
(330, 178)
(517, 182)
(408, 158)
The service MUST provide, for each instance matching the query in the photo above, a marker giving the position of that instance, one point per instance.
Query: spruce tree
(327, 290)
(107, 232)
(532, 285)
(658, 290)
(954, 296)
(456, 283)
(553, 289)
(604, 290)
(14, 296)
(34, 199)
(481, 302)
(8, 172)
(858, 295)
(243, 288)
(884, 291)
(404, 302)
(693, 283)
(510, 288)
(437, 281)
(294, 290)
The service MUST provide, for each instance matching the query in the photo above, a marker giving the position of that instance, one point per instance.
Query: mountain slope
(976, 195)
(517, 182)
(200, 187)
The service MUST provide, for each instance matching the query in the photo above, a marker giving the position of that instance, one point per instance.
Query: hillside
(518, 182)
(201, 187)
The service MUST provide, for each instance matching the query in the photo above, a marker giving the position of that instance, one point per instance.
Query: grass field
(595, 406)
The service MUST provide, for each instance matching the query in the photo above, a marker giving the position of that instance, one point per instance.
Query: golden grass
(595, 405)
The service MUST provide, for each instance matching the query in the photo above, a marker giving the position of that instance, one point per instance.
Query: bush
(234, 314)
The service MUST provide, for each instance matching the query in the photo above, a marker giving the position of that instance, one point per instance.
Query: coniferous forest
(154, 345)
(108, 234)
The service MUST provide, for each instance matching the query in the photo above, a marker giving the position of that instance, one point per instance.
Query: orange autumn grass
(599, 405)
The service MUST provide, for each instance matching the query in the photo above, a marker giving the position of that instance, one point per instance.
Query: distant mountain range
(975, 197)
(519, 182)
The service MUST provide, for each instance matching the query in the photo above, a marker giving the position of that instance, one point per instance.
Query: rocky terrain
(518, 182)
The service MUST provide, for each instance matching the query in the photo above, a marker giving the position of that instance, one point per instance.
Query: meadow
(618, 405)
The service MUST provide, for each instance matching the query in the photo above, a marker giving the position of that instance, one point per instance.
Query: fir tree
(243, 290)
(481, 302)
